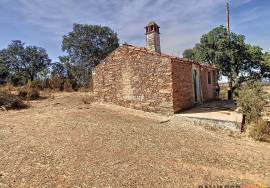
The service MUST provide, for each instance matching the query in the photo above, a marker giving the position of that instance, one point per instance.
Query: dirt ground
(215, 110)
(63, 142)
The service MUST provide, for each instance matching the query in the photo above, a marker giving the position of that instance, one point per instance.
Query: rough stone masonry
(146, 79)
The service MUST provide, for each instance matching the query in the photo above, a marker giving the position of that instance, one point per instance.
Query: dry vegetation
(267, 89)
(68, 141)
(9, 101)
(267, 107)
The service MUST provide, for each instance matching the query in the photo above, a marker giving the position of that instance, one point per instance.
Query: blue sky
(182, 22)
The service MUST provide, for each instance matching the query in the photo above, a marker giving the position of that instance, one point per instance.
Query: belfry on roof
(153, 37)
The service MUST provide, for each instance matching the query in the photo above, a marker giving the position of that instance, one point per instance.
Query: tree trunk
(243, 123)
(230, 90)
(31, 77)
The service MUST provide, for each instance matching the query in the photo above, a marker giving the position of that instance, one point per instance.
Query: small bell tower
(153, 37)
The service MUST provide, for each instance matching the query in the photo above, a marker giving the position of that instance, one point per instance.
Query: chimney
(153, 37)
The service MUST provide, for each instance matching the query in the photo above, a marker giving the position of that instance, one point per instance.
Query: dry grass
(61, 141)
(223, 95)
(267, 106)
(267, 89)
(88, 98)
(9, 101)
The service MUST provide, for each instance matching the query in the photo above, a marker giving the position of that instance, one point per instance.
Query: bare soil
(62, 141)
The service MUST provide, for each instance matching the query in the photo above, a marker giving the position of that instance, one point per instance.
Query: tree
(3, 71)
(58, 69)
(24, 62)
(266, 66)
(189, 54)
(58, 76)
(11, 57)
(239, 61)
(35, 60)
(86, 46)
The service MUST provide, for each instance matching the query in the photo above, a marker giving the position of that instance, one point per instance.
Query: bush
(28, 92)
(9, 101)
(88, 99)
(56, 83)
(68, 86)
(251, 101)
(258, 130)
(223, 95)
(7, 87)
(40, 84)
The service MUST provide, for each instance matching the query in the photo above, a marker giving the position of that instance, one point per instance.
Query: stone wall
(153, 42)
(182, 85)
(137, 78)
(132, 77)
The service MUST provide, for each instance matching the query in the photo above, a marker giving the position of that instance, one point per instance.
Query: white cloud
(182, 21)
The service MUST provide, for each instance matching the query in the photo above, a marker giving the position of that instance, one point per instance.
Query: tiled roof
(145, 50)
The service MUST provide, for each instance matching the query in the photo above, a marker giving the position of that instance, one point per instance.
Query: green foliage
(58, 76)
(266, 65)
(239, 61)
(59, 69)
(223, 92)
(251, 101)
(189, 54)
(86, 46)
(195, 54)
(3, 70)
(22, 62)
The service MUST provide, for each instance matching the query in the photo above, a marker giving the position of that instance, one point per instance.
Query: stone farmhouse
(145, 79)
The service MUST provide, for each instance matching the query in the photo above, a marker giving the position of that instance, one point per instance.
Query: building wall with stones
(132, 77)
(137, 78)
(182, 85)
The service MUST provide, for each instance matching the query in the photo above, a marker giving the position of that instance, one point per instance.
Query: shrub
(40, 84)
(9, 101)
(68, 86)
(223, 95)
(251, 102)
(258, 130)
(88, 99)
(28, 92)
(7, 87)
(56, 83)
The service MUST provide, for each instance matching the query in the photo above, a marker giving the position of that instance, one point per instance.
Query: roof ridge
(143, 49)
